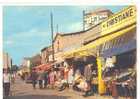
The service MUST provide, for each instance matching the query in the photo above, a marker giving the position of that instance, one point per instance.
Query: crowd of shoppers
(85, 82)
(63, 78)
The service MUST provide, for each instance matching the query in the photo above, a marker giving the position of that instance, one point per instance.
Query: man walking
(45, 79)
(34, 78)
(40, 79)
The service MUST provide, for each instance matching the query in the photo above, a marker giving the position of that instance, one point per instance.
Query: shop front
(118, 36)
(120, 50)
(100, 54)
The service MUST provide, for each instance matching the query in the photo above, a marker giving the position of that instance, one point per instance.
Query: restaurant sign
(122, 19)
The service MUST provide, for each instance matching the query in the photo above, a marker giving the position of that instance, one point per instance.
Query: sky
(26, 29)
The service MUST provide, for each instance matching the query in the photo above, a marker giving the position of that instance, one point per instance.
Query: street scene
(22, 90)
(69, 52)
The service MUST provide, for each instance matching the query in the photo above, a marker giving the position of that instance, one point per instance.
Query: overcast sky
(26, 29)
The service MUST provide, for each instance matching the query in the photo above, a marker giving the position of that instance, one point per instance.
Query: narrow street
(92, 48)
(21, 90)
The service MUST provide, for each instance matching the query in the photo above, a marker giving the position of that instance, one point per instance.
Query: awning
(43, 67)
(38, 68)
(119, 49)
(98, 42)
(78, 53)
(47, 67)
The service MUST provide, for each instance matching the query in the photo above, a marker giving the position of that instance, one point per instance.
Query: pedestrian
(88, 76)
(48, 78)
(70, 76)
(52, 78)
(62, 85)
(45, 79)
(66, 70)
(131, 87)
(114, 89)
(13, 78)
(58, 75)
(34, 78)
(6, 82)
(23, 76)
(40, 79)
(77, 78)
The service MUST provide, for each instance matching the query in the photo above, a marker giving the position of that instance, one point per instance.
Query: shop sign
(119, 20)
(93, 20)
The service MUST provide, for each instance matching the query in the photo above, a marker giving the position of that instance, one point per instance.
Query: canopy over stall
(43, 67)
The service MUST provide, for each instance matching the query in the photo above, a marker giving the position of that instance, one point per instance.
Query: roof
(101, 9)
(84, 31)
(98, 10)
(67, 34)
(45, 48)
(74, 33)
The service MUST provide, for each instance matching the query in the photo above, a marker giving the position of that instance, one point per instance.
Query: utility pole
(57, 28)
(83, 20)
(52, 36)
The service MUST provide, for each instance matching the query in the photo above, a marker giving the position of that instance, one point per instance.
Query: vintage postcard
(69, 52)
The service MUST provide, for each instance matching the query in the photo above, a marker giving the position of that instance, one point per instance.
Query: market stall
(117, 36)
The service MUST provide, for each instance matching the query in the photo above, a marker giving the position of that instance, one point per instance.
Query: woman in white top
(6, 82)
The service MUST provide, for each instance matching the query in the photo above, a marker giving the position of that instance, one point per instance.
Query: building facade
(29, 62)
(45, 53)
(70, 41)
(7, 61)
(26, 62)
(92, 18)
(35, 60)
(117, 41)
(64, 42)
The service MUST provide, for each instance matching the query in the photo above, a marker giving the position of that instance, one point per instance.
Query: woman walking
(52, 78)
(6, 82)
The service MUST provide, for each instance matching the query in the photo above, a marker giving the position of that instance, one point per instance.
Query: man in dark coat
(34, 78)
(45, 79)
